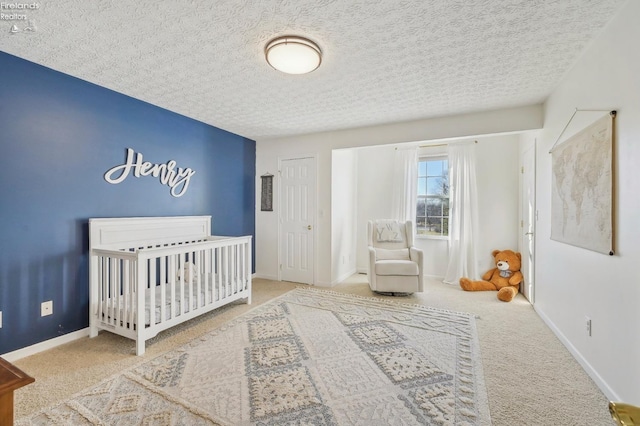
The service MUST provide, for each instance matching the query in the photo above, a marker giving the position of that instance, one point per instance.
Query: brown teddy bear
(505, 277)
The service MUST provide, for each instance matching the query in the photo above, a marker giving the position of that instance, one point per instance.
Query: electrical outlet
(588, 321)
(46, 308)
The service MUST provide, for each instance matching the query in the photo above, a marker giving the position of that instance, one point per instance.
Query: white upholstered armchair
(395, 266)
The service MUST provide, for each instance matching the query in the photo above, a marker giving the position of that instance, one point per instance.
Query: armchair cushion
(397, 267)
(386, 254)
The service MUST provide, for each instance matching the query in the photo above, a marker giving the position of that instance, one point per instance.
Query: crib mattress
(190, 302)
(208, 295)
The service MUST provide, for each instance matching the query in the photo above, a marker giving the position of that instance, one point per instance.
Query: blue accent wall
(58, 137)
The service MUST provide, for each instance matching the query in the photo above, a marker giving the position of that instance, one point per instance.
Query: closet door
(297, 212)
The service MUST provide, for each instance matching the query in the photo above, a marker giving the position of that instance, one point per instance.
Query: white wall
(375, 178)
(571, 282)
(269, 151)
(498, 188)
(497, 173)
(344, 174)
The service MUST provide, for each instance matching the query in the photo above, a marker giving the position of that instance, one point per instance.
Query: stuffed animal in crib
(505, 277)
(190, 272)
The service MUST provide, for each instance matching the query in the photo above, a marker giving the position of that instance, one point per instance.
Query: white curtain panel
(463, 216)
(405, 184)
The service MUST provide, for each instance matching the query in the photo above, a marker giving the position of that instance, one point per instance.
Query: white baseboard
(604, 387)
(343, 277)
(274, 278)
(434, 277)
(47, 344)
(265, 277)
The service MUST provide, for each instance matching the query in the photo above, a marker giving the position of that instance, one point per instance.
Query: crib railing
(137, 292)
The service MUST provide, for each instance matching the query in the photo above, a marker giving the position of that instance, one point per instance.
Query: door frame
(528, 149)
(314, 214)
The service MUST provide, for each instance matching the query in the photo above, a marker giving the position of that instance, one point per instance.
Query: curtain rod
(440, 144)
(431, 146)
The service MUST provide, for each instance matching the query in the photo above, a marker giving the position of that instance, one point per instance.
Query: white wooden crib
(148, 274)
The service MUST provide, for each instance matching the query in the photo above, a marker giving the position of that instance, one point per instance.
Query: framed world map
(582, 188)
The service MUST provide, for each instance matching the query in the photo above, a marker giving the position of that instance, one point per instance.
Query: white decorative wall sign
(176, 178)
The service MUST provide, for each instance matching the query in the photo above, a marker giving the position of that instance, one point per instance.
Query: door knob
(309, 227)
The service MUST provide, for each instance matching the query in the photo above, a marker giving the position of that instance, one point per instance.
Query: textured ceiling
(384, 61)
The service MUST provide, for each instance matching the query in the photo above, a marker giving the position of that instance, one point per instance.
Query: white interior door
(297, 214)
(528, 220)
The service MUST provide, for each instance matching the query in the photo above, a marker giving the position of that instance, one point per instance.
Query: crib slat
(107, 295)
(225, 266)
(133, 268)
(237, 273)
(241, 266)
(219, 284)
(172, 285)
(105, 283)
(141, 274)
(230, 252)
(187, 302)
(198, 262)
(151, 288)
(181, 282)
(124, 309)
(206, 268)
(101, 295)
(119, 303)
(118, 290)
(232, 268)
(132, 294)
(234, 275)
(112, 291)
(248, 269)
(214, 272)
(163, 288)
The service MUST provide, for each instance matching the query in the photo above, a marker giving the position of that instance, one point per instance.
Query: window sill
(431, 237)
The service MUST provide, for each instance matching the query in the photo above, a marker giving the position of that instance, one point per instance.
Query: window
(432, 215)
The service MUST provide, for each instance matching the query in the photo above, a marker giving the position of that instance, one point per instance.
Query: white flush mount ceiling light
(293, 55)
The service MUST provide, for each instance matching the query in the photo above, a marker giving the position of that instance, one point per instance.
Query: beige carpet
(530, 377)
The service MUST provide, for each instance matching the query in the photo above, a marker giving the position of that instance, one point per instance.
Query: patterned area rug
(309, 357)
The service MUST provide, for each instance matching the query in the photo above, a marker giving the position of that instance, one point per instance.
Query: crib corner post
(140, 346)
(141, 287)
(93, 295)
(93, 330)
(249, 269)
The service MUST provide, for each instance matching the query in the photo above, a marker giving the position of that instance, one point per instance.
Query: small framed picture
(266, 195)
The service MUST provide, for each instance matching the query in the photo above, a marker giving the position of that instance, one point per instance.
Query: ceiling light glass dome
(293, 55)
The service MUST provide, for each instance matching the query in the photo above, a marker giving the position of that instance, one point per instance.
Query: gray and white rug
(309, 357)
